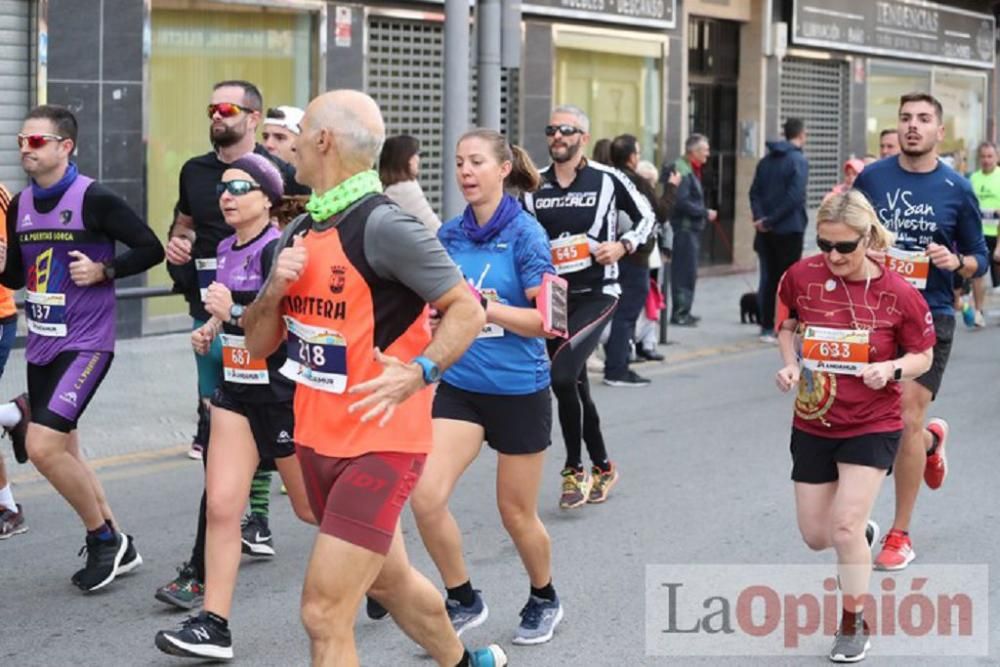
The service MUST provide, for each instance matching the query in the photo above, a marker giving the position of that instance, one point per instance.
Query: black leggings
(588, 315)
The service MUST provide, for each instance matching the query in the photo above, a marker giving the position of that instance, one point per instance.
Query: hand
(290, 265)
(609, 252)
(435, 319)
(218, 301)
(713, 215)
(943, 257)
(674, 178)
(759, 226)
(83, 271)
(397, 383)
(179, 250)
(787, 377)
(201, 339)
(877, 256)
(878, 375)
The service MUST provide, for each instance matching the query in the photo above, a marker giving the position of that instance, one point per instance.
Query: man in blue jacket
(778, 203)
(687, 221)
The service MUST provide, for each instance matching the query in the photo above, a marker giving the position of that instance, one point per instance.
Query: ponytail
(524, 176)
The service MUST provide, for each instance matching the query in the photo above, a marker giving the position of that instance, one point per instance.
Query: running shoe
(897, 552)
(980, 320)
(602, 483)
(851, 646)
(375, 610)
(871, 533)
(575, 488)
(768, 338)
(184, 592)
(12, 523)
(630, 379)
(257, 539)
(968, 314)
(197, 451)
(539, 619)
(197, 637)
(936, 468)
(491, 656)
(131, 559)
(594, 364)
(465, 617)
(18, 433)
(104, 559)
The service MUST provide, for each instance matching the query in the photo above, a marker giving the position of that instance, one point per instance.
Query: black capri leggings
(578, 418)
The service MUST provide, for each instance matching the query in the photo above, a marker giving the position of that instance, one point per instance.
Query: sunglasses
(36, 141)
(843, 247)
(236, 187)
(565, 130)
(227, 109)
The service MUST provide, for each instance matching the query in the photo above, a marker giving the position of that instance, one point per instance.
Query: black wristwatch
(961, 261)
(627, 245)
(235, 313)
(897, 374)
(109, 272)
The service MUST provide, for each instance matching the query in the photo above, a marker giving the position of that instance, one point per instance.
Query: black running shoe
(375, 610)
(257, 539)
(131, 559)
(19, 432)
(198, 637)
(103, 560)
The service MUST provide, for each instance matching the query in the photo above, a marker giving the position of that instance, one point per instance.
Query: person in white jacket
(398, 168)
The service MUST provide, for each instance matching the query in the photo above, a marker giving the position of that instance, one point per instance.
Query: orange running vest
(7, 307)
(341, 294)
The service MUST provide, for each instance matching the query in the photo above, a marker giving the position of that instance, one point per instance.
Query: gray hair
(577, 112)
(355, 138)
(694, 141)
(647, 170)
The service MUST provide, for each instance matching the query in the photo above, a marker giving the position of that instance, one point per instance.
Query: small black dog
(748, 308)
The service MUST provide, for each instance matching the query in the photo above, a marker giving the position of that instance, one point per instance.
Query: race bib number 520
(913, 265)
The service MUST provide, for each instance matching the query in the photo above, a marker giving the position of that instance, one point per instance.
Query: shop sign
(659, 14)
(910, 29)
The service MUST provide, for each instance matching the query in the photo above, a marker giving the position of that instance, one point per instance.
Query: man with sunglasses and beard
(62, 232)
(934, 213)
(234, 112)
(579, 204)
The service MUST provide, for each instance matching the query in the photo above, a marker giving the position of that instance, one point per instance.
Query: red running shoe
(897, 552)
(936, 468)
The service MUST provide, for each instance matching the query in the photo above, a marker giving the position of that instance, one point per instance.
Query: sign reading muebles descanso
(903, 28)
(646, 13)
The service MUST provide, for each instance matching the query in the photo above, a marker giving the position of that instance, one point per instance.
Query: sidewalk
(146, 406)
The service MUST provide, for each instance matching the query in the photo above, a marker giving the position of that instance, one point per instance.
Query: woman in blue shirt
(498, 392)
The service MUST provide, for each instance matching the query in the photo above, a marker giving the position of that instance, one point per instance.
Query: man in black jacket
(778, 203)
(687, 220)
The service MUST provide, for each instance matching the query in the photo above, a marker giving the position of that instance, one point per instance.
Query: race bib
(237, 366)
(491, 330)
(206, 273)
(46, 313)
(843, 351)
(316, 357)
(571, 253)
(914, 265)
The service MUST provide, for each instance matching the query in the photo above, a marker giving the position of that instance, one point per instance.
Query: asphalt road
(704, 460)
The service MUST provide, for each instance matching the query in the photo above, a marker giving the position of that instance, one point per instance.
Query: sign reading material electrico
(645, 13)
(904, 28)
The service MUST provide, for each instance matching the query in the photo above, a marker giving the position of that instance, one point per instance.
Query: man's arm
(969, 238)
(795, 191)
(637, 207)
(687, 205)
(107, 213)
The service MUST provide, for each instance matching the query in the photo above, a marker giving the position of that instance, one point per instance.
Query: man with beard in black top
(235, 113)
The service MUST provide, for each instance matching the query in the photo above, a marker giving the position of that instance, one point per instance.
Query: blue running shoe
(491, 656)
(539, 619)
(465, 617)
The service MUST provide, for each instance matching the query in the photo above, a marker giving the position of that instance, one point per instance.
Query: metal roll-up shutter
(15, 89)
(406, 77)
(817, 92)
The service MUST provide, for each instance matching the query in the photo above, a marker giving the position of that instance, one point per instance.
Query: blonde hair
(853, 209)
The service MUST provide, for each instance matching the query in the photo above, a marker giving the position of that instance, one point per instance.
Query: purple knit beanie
(264, 173)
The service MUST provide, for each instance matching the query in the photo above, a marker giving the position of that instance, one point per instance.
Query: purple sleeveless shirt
(61, 316)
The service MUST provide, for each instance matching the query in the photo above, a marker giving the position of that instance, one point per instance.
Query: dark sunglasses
(236, 187)
(227, 109)
(565, 130)
(36, 141)
(843, 247)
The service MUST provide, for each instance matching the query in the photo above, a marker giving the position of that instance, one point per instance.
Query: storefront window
(887, 82)
(192, 50)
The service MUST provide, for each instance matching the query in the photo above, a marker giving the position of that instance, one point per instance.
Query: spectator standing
(398, 169)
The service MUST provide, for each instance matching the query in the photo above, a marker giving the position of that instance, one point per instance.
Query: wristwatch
(430, 370)
(109, 271)
(627, 245)
(897, 373)
(961, 261)
(235, 313)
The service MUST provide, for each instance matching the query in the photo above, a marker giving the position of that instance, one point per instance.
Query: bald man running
(348, 292)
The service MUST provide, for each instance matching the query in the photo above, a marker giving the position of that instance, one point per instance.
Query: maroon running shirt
(838, 405)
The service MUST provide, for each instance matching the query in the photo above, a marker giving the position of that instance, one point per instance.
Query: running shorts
(60, 390)
(944, 329)
(815, 458)
(272, 424)
(359, 499)
(513, 424)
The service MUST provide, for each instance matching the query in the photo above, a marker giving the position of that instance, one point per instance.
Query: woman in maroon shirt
(849, 330)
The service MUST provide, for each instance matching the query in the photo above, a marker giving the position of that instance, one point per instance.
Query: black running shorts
(513, 424)
(944, 329)
(272, 425)
(61, 390)
(815, 458)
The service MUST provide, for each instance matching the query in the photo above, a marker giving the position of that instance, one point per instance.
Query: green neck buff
(333, 201)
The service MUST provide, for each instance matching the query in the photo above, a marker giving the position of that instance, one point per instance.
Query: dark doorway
(713, 72)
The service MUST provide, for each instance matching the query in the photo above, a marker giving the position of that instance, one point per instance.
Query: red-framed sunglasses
(227, 109)
(36, 141)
